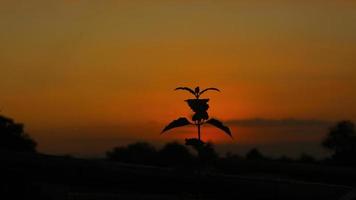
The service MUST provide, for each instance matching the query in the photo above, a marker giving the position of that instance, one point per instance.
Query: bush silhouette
(13, 137)
(255, 154)
(341, 140)
(174, 154)
(138, 153)
(171, 154)
(206, 151)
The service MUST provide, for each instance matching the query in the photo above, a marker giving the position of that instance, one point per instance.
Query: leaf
(187, 89)
(216, 89)
(198, 105)
(219, 125)
(177, 123)
(197, 90)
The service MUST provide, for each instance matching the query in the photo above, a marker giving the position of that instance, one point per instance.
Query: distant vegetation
(171, 154)
(340, 140)
(13, 137)
(176, 154)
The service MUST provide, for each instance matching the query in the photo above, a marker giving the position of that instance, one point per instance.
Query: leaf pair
(197, 91)
(182, 121)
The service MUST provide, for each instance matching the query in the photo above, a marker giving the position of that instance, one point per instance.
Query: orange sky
(88, 75)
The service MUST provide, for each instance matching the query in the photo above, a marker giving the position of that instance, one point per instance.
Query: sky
(87, 75)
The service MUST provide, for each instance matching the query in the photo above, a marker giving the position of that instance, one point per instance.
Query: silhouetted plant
(200, 108)
(13, 137)
(206, 152)
(341, 140)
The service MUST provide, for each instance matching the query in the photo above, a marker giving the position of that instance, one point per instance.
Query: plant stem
(199, 131)
(199, 164)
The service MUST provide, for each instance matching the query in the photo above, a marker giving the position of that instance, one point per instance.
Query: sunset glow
(84, 76)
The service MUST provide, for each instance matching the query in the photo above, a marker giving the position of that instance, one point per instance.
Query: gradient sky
(85, 76)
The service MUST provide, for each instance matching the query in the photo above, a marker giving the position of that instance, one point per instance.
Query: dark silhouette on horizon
(175, 154)
(13, 136)
(255, 154)
(141, 170)
(171, 154)
(341, 140)
(138, 153)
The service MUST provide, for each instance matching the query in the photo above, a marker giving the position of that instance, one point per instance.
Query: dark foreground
(27, 176)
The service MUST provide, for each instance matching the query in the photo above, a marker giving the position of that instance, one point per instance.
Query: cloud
(287, 122)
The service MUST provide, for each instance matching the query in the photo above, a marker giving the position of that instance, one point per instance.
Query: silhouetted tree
(13, 137)
(175, 154)
(341, 139)
(255, 154)
(139, 153)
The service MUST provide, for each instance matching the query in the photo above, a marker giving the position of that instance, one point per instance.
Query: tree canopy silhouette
(341, 139)
(13, 137)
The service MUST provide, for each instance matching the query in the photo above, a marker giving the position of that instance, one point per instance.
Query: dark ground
(37, 176)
